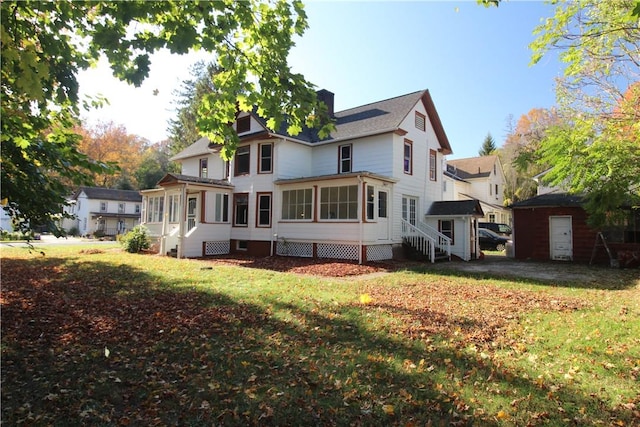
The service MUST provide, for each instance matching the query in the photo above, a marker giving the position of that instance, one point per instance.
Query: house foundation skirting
(216, 248)
(333, 250)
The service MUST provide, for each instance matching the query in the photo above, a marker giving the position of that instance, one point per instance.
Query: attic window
(420, 121)
(243, 125)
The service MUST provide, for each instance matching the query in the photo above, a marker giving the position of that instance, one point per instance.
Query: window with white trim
(265, 162)
(263, 219)
(221, 211)
(297, 204)
(155, 209)
(204, 170)
(241, 210)
(382, 204)
(344, 158)
(339, 202)
(433, 158)
(408, 157)
(174, 208)
(371, 202)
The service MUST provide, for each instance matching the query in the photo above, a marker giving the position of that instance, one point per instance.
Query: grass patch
(103, 337)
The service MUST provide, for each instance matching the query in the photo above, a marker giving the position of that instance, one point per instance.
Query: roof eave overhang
(350, 175)
(445, 146)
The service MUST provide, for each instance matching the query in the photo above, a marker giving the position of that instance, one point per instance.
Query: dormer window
(203, 168)
(243, 124)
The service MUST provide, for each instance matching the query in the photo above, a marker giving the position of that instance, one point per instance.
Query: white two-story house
(103, 211)
(359, 194)
(480, 178)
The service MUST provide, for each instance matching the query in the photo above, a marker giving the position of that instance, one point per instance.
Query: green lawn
(95, 336)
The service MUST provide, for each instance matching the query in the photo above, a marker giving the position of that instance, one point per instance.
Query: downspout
(276, 193)
(163, 233)
(361, 221)
(183, 219)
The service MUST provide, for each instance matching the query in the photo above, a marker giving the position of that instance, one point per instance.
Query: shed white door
(560, 238)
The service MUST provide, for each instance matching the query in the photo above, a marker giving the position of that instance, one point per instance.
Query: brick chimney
(326, 97)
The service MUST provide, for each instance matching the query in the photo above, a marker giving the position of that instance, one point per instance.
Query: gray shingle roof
(456, 208)
(100, 193)
(549, 200)
(472, 167)
(370, 119)
(375, 117)
(198, 148)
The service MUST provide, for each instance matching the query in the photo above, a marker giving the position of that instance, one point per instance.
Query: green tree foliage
(155, 165)
(596, 149)
(488, 146)
(45, 44)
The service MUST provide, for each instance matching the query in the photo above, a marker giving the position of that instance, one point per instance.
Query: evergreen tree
(488, 146)
(183, 129)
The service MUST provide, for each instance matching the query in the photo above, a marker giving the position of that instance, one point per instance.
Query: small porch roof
(363, 174)
(173, 179)
(456, 208)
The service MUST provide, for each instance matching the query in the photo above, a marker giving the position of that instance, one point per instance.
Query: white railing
(441, 241)
(419, 240)
(425, 239)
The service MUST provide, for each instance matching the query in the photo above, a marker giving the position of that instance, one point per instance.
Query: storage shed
(553, 226)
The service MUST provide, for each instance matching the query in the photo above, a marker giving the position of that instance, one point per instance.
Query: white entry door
(383, 215)
(560, 238)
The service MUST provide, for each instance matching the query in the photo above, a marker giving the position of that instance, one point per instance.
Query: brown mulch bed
(310, 266)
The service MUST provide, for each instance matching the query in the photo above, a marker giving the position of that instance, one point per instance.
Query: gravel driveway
(557, 271)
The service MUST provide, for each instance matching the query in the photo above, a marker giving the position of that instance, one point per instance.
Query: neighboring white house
(478, 178)
(5, 221)
(103, 211)
(360, 194)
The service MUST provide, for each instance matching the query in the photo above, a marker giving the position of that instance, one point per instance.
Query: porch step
(441, 255)
(412, 253)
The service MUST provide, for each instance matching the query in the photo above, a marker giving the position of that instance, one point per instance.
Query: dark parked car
(496, 227)
(490, 241)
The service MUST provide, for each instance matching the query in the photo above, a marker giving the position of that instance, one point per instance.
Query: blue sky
(473, 60)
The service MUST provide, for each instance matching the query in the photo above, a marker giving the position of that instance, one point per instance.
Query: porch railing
(111, 231)
(425, 239)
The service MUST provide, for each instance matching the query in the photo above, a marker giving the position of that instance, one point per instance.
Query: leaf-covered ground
(97, 338)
